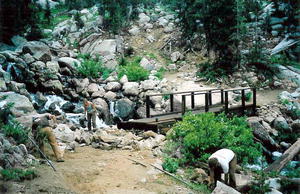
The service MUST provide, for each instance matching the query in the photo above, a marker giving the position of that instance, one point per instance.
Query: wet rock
(68, 107)
(124, 108)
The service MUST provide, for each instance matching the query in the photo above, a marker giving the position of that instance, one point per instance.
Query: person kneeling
(222, 161)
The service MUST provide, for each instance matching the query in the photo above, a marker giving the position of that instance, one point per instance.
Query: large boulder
(143, 19)
(53, 85)
(113, 86)
(261, 133)
(124, 108)
(148, 84)
(101, 106)
(22, 106)
(39, 50)
(146, 64)
(68, 62)
(176, 56)
(281, 124)
(131, 88)
(221, 188)
(64, 134)
(106, 47)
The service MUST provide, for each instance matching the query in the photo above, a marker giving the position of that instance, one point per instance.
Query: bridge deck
(165, 121)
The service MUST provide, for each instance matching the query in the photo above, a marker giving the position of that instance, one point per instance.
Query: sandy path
(96, 171)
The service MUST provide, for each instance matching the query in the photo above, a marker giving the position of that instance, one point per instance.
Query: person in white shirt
(222, 161)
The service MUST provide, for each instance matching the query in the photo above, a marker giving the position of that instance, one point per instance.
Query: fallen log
(288, 155)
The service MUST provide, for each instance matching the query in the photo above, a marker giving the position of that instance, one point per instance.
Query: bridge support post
(172, 102)
(183, 105)
(243, 101)
(206, 102)
(222, 96)
(226, 102)
(254, 101)
(210, 97)
(192, 100)
(148, 106)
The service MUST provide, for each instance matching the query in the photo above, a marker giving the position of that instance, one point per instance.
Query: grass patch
(132, 69)
(92, 68)
(15, 130)
(16, 174)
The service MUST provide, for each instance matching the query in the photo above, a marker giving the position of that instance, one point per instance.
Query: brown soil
(90, 170)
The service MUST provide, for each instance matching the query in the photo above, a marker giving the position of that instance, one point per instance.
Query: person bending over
(222, 161)
(42, 129)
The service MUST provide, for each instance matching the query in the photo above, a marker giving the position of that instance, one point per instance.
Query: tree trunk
(285, 158)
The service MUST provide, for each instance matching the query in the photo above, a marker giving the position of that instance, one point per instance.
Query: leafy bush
(91, 68)
(132, 69)
(209, 71)
(170, 164)
(200, 135)
(17, 174)
(16, 131)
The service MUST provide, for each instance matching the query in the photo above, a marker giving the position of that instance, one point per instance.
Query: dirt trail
(90, 170)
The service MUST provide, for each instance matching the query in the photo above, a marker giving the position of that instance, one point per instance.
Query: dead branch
(288, 155)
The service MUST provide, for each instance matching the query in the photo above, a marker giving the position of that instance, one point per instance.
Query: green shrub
(132, 69)
(170, 164)
(17, 174)
(209, 71)
(16, 131)
(91, 68)
(160, 73)
(200, 135)
(260, 186)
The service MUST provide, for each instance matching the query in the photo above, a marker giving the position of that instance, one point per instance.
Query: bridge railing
(208, 99)
(224, 99)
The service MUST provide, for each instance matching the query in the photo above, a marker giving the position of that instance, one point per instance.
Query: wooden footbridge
(215, 100)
